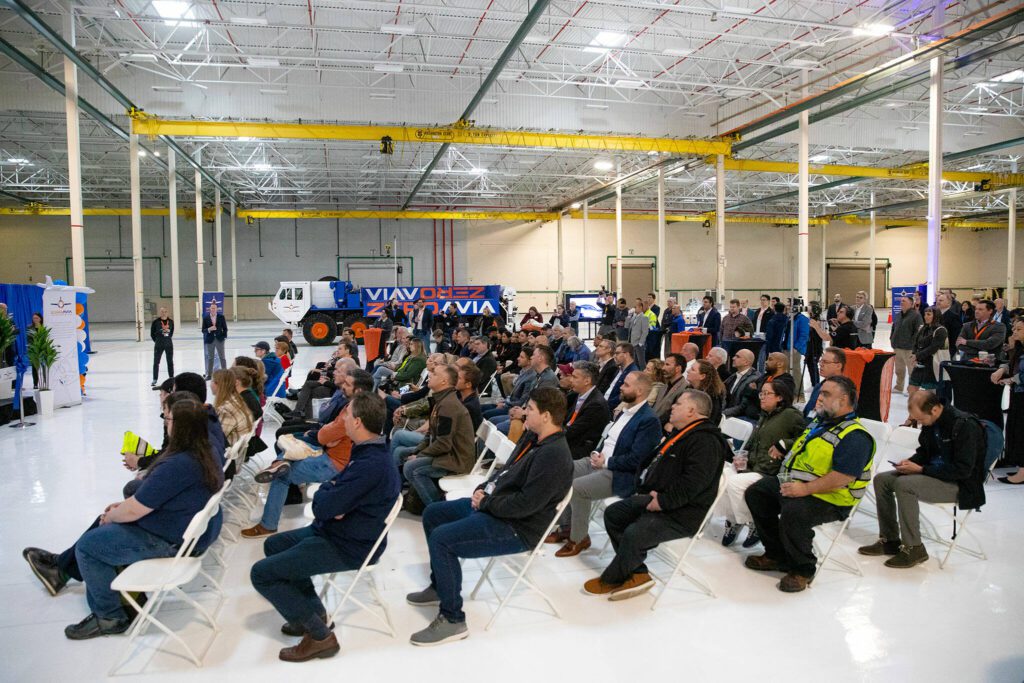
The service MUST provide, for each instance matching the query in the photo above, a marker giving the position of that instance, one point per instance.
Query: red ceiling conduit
(472, 38)
(435, 252)
(444, 260)
(451, 246)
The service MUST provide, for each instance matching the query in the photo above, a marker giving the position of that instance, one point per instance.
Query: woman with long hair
(235, 416)
(930, 338)
(655, 369)
(1012, 373)
(412, 365)
(704, 376)
(245, 378)
(149, 524)
(260, 381)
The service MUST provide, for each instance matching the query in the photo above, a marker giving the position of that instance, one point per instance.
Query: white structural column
(871, 253)
(661, 236)
(234, 265)
(618, 240)
(1010, 297)
(934, 176)
(586, 250)
(74, 156)
(824, 266)
(803, 219)
(200, 284)
(218, 247)
(720, 224)
(133, 166)
(172, 214)
(561, 262)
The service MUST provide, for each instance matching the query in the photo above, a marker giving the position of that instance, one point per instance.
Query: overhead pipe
(55, 39)
(531, 18)
(451, 246)
(435, 252)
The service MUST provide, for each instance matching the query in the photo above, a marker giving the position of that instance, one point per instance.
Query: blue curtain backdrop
(22, 301)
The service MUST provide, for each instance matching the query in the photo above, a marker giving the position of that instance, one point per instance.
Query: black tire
(358, 324)
(319, 329)
(328, 278)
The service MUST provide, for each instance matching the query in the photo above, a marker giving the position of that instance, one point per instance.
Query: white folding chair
(880, 432)
(487, 435)
(270, 412)
(520, 569)
(160, 577)
(365, 570)
(678, 562)
(930, 530)
(503, 448)
(740, 430)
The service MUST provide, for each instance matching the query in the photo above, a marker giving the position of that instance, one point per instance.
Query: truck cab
(291, 302)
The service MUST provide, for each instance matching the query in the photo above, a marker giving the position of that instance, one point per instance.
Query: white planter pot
(44, 402)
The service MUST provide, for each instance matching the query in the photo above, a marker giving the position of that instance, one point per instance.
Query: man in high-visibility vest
(824, 475)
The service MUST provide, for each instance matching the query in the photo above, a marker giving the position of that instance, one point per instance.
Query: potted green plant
(42, 354)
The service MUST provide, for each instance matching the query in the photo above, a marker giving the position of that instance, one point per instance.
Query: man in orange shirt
(313, 470)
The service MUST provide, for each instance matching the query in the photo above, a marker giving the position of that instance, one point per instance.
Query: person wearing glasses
(832, 363)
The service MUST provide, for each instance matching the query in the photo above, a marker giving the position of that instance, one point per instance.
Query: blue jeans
(381, 374)
(101, 550)
(424, 336)
(404, 442)
(284, 576)
(492, 413)
(309, 436)
(422, 476)
(309, 471)
(502, 424)
(453, 530)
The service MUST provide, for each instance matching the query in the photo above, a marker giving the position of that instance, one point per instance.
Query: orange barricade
(703, 341)
(371, 342)
(871, 370)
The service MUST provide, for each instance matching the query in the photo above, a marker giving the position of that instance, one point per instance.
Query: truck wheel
(358, 325)
(328, 278)
(319, 329)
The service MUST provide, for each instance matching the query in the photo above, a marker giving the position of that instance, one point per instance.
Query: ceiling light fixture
(142, 153)
(603, 165)
(677, 52)
(575, 205)
(249, 21)
(876, 30)
(398, 29)
(1010, 76)
(17, 160)
(628, 83)
(819, 158)
(262, 166)
(175, 12)
(263, 61)
(605, 40)
(273, 91)
(382, 96)
(166, 88)
(389, 68)
(602, 107)
(143, 57)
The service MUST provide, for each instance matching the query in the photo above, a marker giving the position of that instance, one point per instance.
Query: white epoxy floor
(963, 623)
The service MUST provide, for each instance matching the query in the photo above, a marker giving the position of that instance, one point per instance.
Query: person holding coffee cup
(982, 335)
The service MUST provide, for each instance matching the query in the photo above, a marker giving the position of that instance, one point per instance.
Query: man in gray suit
(863, 313)
(675, 379)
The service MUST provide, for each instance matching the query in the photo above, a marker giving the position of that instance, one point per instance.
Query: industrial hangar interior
(666, 194)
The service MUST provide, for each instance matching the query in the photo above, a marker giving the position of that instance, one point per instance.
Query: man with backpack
(948, 467)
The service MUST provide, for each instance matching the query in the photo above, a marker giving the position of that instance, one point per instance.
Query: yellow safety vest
(651, 318)
(811, 458)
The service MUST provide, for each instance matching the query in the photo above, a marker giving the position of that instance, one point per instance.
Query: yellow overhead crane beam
(408, 215)
(916, 172)
(455, 134)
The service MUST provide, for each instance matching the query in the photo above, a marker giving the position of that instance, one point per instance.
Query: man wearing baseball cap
(272, 365)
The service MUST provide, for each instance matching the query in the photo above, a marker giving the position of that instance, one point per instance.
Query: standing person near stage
(215, 331)
(161, 332)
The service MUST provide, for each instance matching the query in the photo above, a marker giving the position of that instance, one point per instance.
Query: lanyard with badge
(666, 445)
(489, 487)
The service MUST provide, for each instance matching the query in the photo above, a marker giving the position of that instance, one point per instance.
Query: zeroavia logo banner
(467, 300)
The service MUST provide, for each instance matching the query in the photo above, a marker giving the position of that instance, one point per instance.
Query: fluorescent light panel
(166, 88)
(398, 29)
(249, 21)
(389, 68)
(263, 61)
(677, 51)
(273, 91)
(628, 83)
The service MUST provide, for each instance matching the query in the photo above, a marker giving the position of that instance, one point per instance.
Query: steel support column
(217, 239)
(871, 254)
(200, 283)
(618, 240)
(234, 265)
(934, 177)
(586, 250)
(803, 227)
(133, 166)
(74, 156)
(560, 257)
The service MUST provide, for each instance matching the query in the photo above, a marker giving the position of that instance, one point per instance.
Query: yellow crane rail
(916, 172)
(455, 134)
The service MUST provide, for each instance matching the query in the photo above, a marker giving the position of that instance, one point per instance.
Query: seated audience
(719, 358)
(604, 356)
(469, 378)
(349, 513)
(449, 446)
(948, 467)
(690, 351)
(149, 524)
(678, 483)
(675, 381)
(481, 355)
(319, 382)
(532, 316)
(257, 366)
(611, 470)
(824, 474)
(315, 469)
(245, 381)
(235, 418)
(623, 359)
(542, 363)
(655, 370)
(396, 355)
(832, 363)
(507, 514)
(587, 412)
(1011, 374)
(982, 335)
(741, 386)
(273, 367)
(703, 377)
(779, 421)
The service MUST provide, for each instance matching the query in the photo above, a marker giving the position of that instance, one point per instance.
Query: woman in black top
(966, 312)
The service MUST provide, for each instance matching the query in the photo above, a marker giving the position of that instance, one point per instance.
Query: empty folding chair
(160, 577)
(679, 566)
(503, 448)
(381, 614)
(520, 568)
(740, 430)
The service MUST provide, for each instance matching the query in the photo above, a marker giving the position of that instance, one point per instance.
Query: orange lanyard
(676, 437)
(524, 452)
(573, 418)
(977, 333)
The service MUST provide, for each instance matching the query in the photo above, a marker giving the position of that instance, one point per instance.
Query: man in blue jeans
(337, 447)
(349, 514)
(542, 362)
(422, 319)
(507, 514)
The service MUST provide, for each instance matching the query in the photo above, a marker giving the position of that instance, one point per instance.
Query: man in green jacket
(449, 447)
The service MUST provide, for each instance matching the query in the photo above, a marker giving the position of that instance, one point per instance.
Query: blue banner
(468, 300)
(900, 292)
(213, 297)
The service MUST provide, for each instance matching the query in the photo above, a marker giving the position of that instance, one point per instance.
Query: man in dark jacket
(215, 331)
(161, 332)
(673, 496)
(612, 470)
(507, 514)
(449, 447)
(484, 359)
(469, 378)
(946, 468)
(422, 319)
(982, 335)
(349, 514)
(904, 329)
(949, 314)
(711, 320)
(586, 410)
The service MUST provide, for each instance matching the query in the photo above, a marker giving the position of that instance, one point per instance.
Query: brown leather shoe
(794, 583)
(308, 649)
(637, 584)
(599, 587)
(572, 548)
(761, 563)
(258, 531)
(557, 536)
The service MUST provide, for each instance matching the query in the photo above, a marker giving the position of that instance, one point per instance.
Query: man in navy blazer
(611, 470)
(710, 319)
(623, 360)
(422, 319)
(587, 412)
